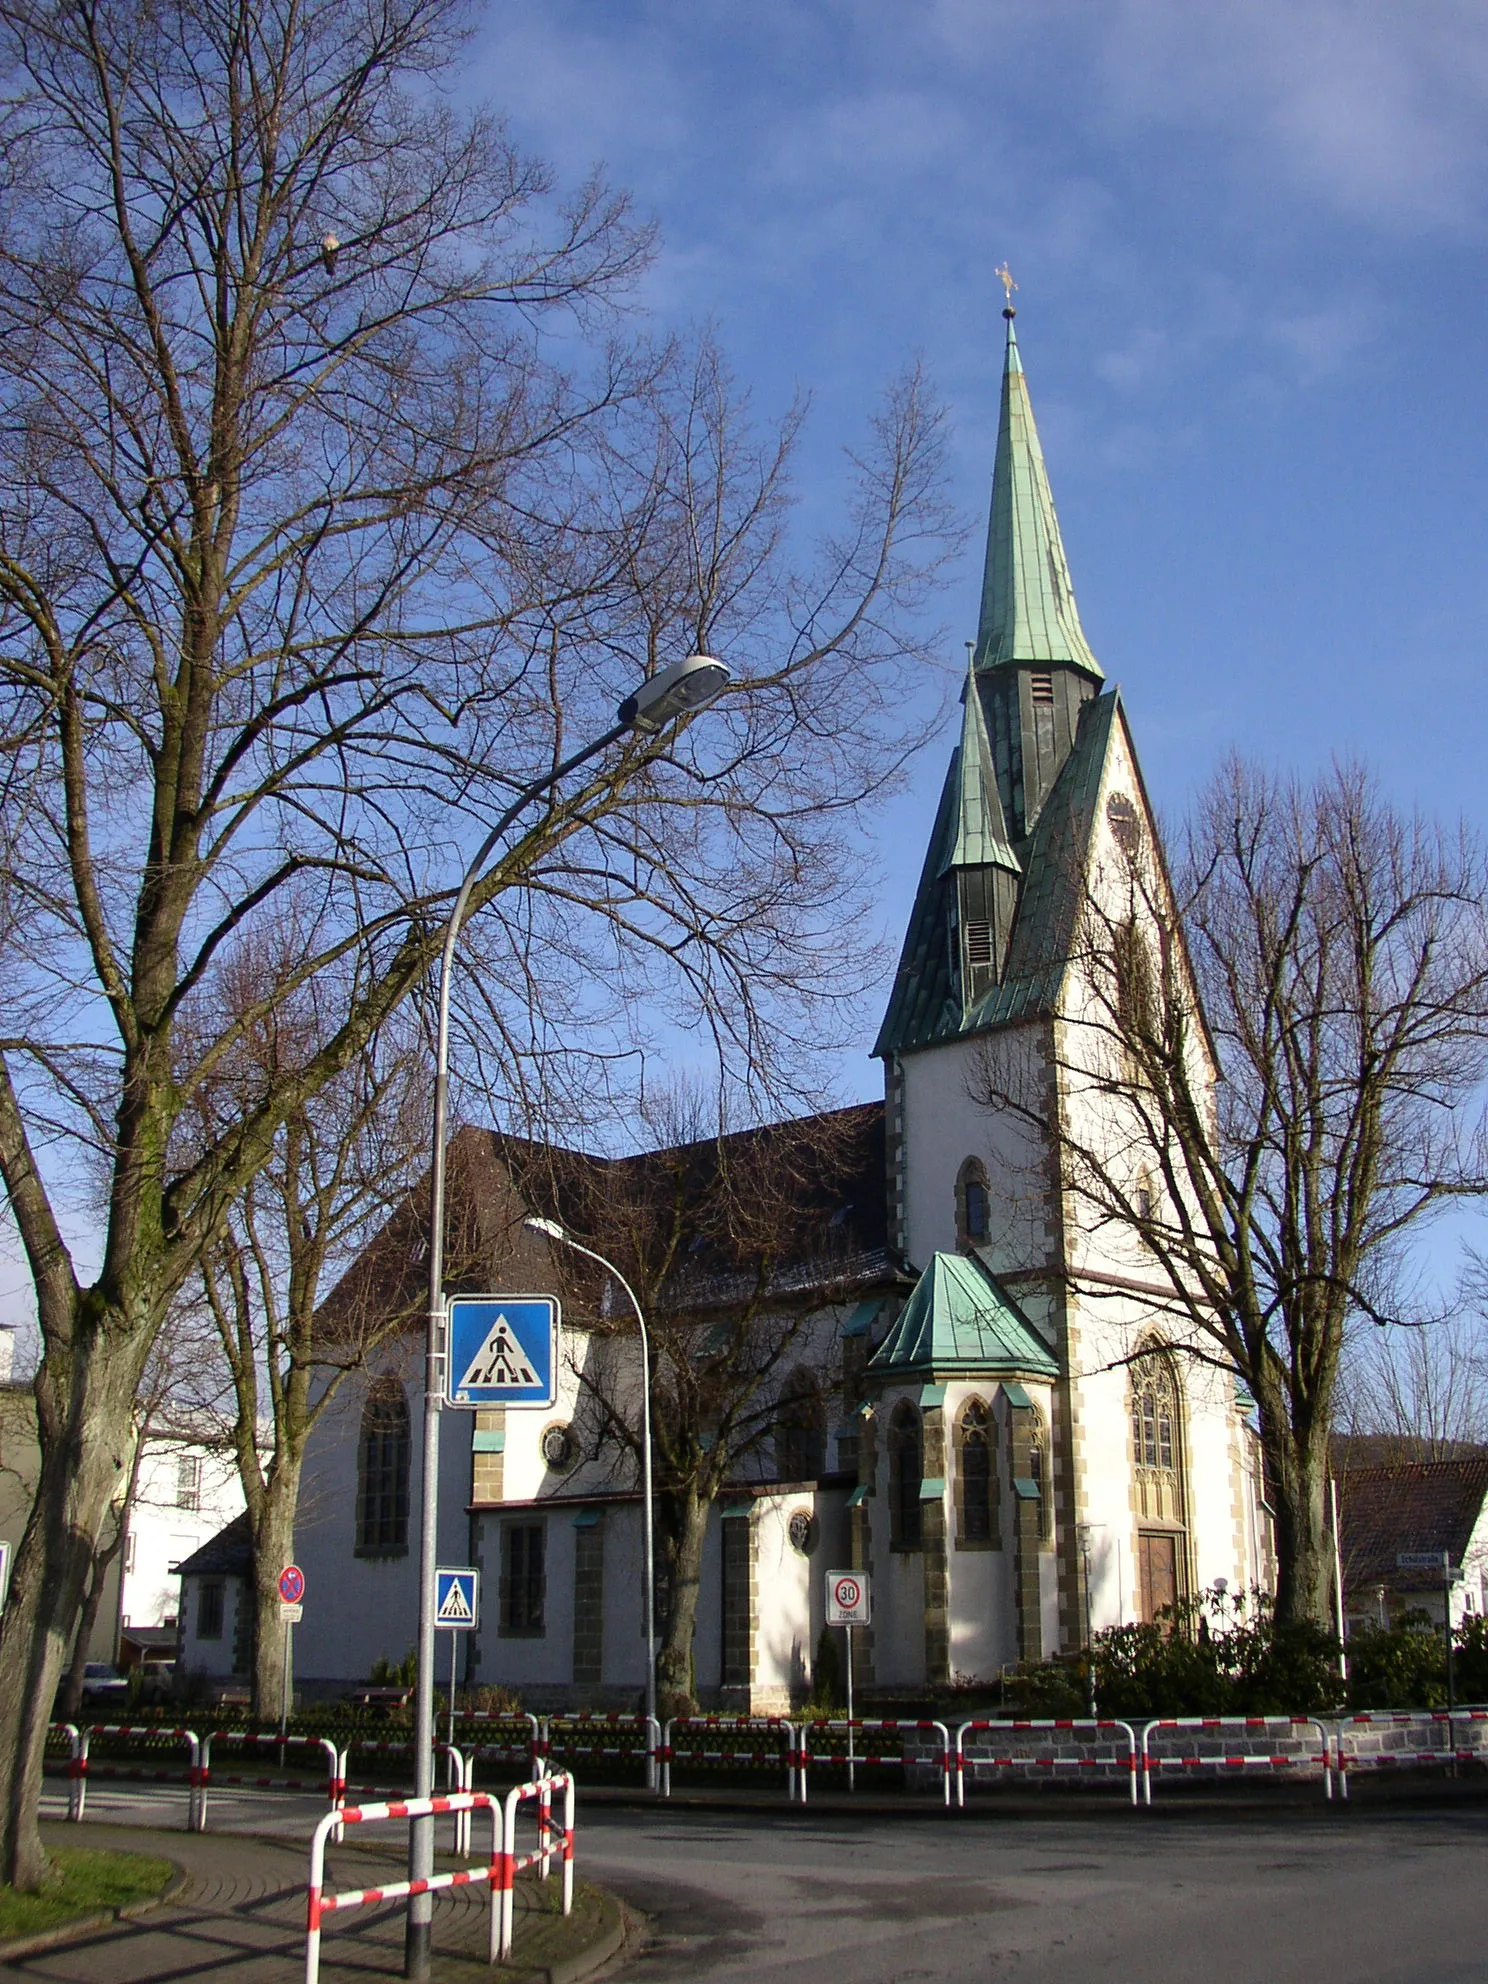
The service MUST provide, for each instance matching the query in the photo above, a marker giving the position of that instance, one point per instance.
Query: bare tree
(333, 501)
(736, 1245)
(1415, 1393)
(343, 1158)
(1285, 1042)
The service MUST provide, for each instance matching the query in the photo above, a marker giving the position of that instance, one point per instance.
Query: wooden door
(1157, 1572)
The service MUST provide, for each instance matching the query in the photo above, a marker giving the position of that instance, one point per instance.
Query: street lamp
(554, 1231)
(664, 698)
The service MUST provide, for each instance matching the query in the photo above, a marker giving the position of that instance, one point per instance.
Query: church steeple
(984, 872)
(1028, 612)
(1034, 664)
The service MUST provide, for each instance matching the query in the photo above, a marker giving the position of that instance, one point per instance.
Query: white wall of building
(187, 1491)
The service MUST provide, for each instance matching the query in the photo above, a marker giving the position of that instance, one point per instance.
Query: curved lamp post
(665, 698)
(554, 1231)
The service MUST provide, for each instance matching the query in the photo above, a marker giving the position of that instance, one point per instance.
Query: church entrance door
(1157, 1572)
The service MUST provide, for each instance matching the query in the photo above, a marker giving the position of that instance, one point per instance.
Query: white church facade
(986, 1404)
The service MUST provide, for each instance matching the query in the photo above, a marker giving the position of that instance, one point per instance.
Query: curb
(85, 1925)
(617, 1931)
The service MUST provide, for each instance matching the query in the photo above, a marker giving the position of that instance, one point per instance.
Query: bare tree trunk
(80, 1473)
(687, 1524)
(1297, 1470)
(88, 1619)
(273, 1548)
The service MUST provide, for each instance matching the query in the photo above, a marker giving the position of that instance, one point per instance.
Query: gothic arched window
(906, 1472)
(800, 1429)
(972, 1206)
(1159, 1501)
(382, 1472)
(978, 1501)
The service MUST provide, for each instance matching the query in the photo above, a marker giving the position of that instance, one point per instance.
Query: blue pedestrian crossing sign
(503, 1350)
(457, 1601)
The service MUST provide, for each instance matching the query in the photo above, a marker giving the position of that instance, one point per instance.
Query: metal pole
(647, 1510)
(1089, 1640)
(851, 1767)
(1342, 1623)
(1447, 1616)
(454, 1642)
(284, 1687)
(417, 1939)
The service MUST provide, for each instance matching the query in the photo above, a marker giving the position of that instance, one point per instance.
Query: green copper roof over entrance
(981, 831)
(958, 1319)
(1029, 614)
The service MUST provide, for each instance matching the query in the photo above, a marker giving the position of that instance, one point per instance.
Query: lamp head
(681, 690)
(549, 1228)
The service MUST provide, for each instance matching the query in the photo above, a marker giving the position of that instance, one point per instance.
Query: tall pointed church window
(383, 1456)
(1158, 1494)
(906, 1472)
(978, 1498)
(800, 1429)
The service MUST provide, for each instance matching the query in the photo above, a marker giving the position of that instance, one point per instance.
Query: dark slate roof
(1421, 1506)
(228, 1554)
(924, 1005)
(806, 1197)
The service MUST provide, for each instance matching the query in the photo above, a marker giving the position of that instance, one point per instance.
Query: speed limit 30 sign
(849, 1602)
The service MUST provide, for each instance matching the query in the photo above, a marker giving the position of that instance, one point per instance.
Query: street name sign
(849, 1601)
(1421, 1560)
(502, 1350)
(457, 1600)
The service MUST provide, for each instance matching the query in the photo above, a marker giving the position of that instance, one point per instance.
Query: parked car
(104, 1686)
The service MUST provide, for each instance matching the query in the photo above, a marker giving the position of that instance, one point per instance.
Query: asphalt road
(1291, 1894)
(1279, 1895)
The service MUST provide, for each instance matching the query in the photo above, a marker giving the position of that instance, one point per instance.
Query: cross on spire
(1005, 277)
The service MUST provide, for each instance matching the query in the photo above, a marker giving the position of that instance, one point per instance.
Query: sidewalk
(239, 1915)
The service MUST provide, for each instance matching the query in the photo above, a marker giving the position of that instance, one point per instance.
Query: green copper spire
(981, 832)
(1029, 614)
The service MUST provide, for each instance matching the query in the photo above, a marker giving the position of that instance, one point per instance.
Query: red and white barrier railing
(1443, 1726)
(852, 1757)
(268, 1739)
(84, 1765)
(1102, 1731)
(477, 1728)
(704, 1740)
(499, 1872)
(1244, 1730)
(599, 1735)
(538, 1791)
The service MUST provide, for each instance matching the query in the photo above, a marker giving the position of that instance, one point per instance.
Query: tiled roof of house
(1422, 1506)
(228, 1554)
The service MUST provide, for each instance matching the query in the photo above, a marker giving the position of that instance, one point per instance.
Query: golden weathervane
(1005, 277)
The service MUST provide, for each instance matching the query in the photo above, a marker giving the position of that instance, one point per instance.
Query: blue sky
(1249, 241)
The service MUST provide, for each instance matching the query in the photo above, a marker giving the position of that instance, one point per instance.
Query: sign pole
(851, 1769)
(454, 1643)
(1447, 1617)
(284, 1687)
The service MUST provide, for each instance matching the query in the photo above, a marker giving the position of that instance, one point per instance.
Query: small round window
(558, 1448)
(801, 1529)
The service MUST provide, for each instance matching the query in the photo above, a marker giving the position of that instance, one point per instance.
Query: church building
(986, 1405)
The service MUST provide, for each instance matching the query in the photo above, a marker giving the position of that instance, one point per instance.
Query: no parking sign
(849, 1602)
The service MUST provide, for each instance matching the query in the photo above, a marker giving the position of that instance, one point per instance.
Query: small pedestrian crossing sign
(457, 1600)
(503, 1350)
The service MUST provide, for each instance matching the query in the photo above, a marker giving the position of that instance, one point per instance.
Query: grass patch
(84, 1880)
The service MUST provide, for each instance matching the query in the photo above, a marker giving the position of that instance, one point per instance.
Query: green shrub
(1403, 1665)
